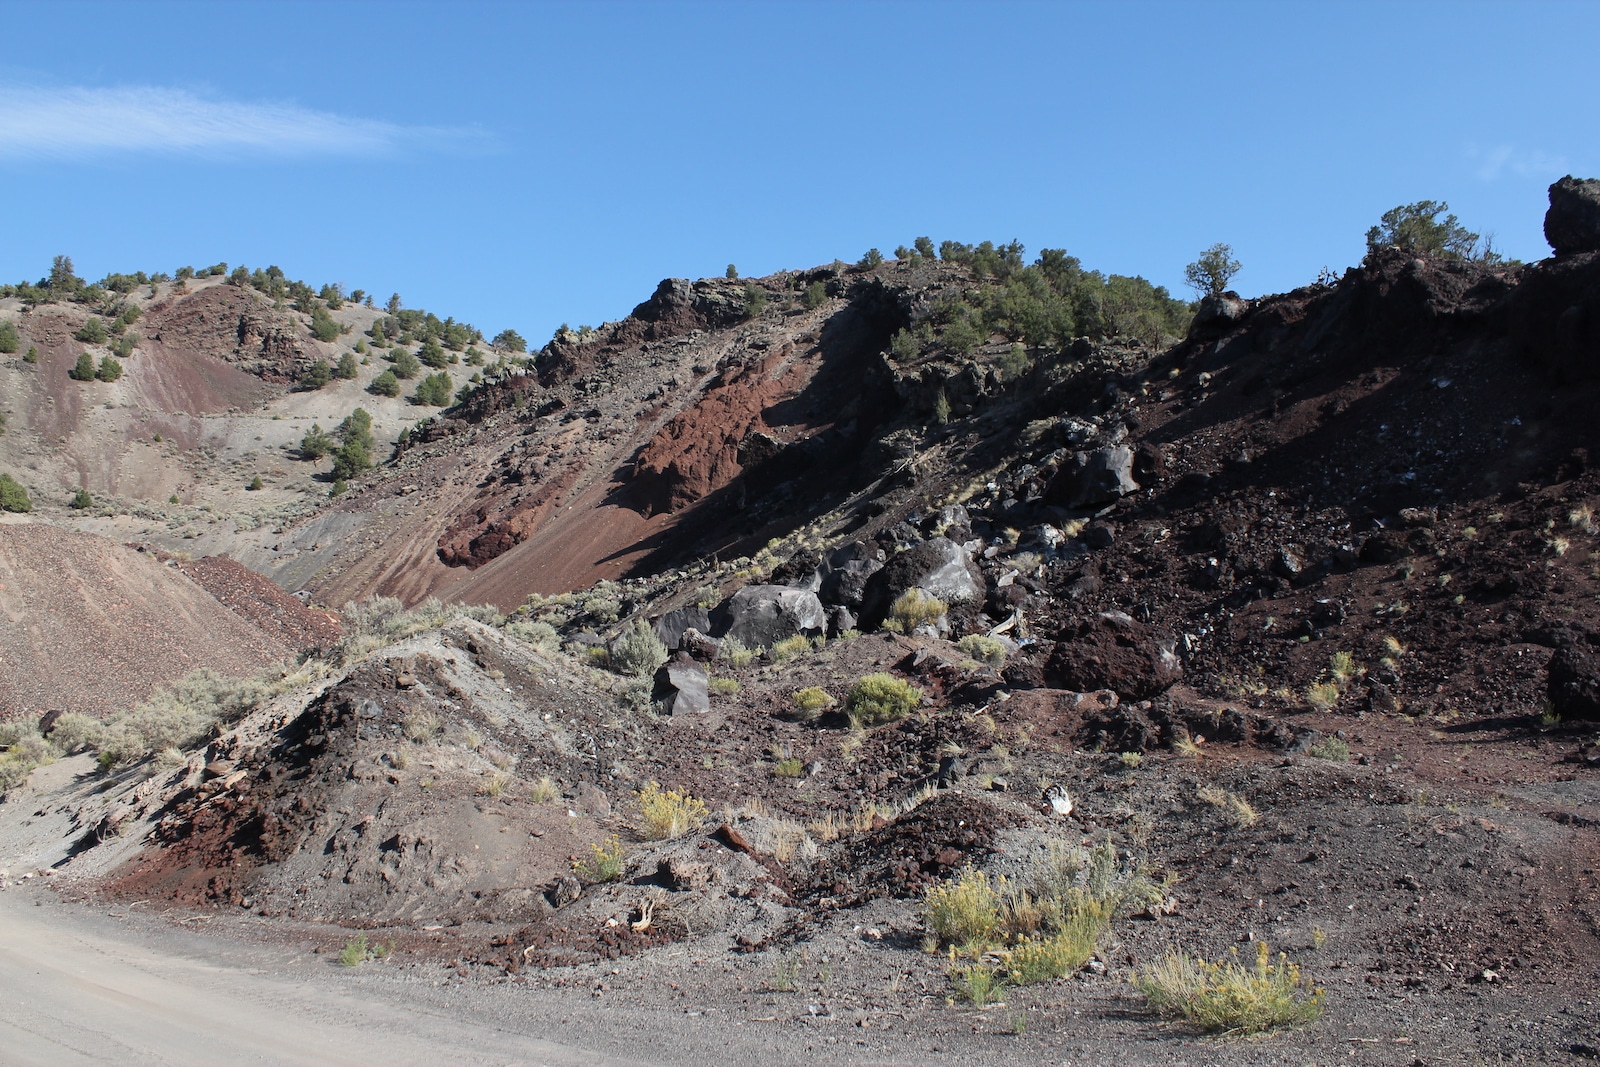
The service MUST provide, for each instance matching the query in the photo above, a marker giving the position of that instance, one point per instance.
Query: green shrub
(637, 650)
(904, 347)
(816, 295)
(346, 370)
(871, 259)
(961, 337)
(1418, 230)
(357, 427)
(755, 299)
(1209, 275)
(405, 363)
(432, 355)
(255, 484)
(352, 458)
(323, 328)
(92, 332)
(984, 649)
(83, 370)
(9, 341)
(13, 497)
(1228, 996)
(315, 443)
(32, 355)
(788, 767)
(434, 390)
(124, 346)
(723, 686)
(510, 341)
(110, 370)
(880, 698)
(81, 499)
(316, 376)
(385, 384)
(732, 649)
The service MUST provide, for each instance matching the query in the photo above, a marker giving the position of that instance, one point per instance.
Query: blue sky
(529, 164)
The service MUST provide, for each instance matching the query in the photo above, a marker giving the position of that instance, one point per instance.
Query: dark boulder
(1113, 651)
(1573, 222)
(1090, 479)
(762, 615)
(1574, 684)
(845, 573)
(938, 566)
(671, 626)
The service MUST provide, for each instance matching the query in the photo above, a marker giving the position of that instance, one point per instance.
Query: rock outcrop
(1573, 222)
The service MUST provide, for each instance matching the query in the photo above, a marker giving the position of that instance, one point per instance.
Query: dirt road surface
(86, 989)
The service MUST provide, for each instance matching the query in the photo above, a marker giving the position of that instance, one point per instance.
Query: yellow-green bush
(879, 698)
(984, 649)
(667, 813)
(912, 609)
(1229, 996)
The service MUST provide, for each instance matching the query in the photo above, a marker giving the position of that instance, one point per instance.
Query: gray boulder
(1219, 312)
(762, 615)
(1573, 222)
(681, 687)
(670, 627)
(1090, 479)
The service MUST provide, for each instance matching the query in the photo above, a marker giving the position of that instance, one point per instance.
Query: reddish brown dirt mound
(255, 598)
(904, 857)
(94, 626)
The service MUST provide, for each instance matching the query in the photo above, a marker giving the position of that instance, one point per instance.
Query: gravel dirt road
(82, 988)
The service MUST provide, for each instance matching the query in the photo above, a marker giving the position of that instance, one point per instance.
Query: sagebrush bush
(180, 717)
(879, 698)
(22, 750)
(540, 635)
(74, 731)
(637, 650)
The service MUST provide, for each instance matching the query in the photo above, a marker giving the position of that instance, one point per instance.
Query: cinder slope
(93, 626)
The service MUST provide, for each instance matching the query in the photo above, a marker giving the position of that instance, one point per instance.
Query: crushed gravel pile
(261, 602)
(94, 626)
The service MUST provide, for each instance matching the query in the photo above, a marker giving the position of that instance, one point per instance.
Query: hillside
(877, 642)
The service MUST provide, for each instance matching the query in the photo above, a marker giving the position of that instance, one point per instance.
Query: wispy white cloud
(1496, 161)
(72, 123)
